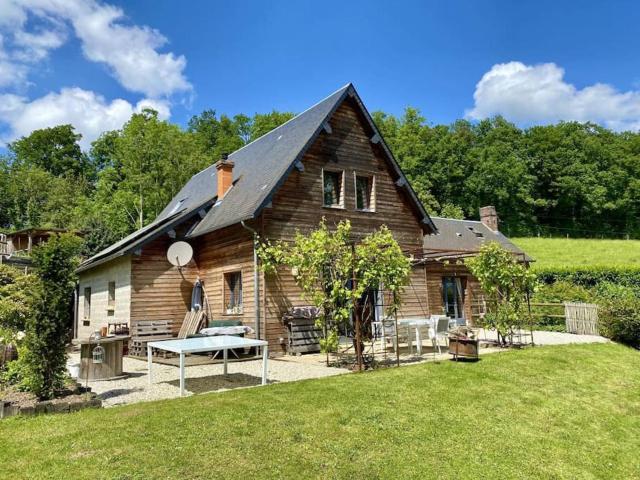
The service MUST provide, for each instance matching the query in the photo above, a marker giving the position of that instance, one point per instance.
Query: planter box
(464, 348)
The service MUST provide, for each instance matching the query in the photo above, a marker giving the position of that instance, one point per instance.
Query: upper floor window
(332, 189)
(364, 193)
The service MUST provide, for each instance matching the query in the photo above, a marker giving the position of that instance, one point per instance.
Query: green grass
(548, 412)
(561, 252)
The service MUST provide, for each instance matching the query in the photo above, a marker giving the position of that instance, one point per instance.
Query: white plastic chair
(441, 330)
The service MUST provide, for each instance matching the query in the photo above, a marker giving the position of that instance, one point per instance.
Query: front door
(453, 297)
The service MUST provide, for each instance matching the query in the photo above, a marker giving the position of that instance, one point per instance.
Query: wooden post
(356, 305)
(395, 315)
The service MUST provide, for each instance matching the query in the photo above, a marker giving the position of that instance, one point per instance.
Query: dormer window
(332, 189)
(177, 206)
(475, 232)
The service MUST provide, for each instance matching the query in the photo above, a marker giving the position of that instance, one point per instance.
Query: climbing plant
(505, 283)
(334, 269)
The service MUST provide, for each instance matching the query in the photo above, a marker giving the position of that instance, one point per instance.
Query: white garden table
(207, 344)
(416, 323)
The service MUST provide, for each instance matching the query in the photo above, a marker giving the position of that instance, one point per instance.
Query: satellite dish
(179, 254)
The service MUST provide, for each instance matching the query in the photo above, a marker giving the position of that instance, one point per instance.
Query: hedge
(591, 276)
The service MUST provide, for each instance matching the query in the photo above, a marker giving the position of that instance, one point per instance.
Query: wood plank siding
(298, 205)
(158, 290)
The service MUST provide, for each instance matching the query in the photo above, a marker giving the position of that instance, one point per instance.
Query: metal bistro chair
(389, 334)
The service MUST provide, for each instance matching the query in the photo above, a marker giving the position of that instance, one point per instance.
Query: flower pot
(463, 347)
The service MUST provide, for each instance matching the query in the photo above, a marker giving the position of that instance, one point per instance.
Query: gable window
(332, 189)
(111, 302)
(365, 193)
(233, 293)
(87, 306)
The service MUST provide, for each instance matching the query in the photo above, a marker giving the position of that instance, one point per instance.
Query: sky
(94, 63)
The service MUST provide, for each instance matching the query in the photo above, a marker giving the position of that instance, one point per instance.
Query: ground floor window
(453, 297)
(87, 307)
(233, 293)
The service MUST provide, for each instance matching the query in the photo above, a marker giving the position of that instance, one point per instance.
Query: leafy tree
(505, 284)
(334, 271)
(54, 150)
(19, 297)
(43, 356)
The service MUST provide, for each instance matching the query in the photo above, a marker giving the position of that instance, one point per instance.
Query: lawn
(547, 412)
(562, 252)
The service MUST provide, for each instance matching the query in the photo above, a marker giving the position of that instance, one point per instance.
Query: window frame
(371, 178)
(238, 309)
(340, 173)
(86, 309)
(111, 295)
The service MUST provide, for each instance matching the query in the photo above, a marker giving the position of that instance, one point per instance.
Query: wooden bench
(146, 331)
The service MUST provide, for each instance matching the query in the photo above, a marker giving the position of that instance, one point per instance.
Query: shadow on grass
(218, 382)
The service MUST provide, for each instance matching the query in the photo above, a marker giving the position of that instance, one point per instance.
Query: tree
(55, 150)
(43, 357)
(19, 296)
(505, 284)
(334, 270)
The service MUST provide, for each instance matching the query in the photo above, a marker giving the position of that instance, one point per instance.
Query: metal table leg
(149, 362)
(265, 360)
(225, 357)
(182, 374)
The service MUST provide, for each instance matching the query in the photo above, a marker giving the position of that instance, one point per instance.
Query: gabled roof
(260, 168)
(459, 238)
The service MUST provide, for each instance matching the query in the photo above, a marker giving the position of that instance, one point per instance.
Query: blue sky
(94, 63)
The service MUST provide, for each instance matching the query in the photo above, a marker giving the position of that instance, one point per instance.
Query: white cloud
(538, 94)
(87, 111)
(129, 51)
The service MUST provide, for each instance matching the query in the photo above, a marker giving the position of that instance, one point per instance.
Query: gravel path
(541, 337)
(201, 378)
(210, 378)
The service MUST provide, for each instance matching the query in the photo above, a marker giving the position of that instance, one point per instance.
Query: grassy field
(548, 412)
(561, 252)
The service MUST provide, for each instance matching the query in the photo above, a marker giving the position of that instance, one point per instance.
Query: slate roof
(260, 168)
(465, 236)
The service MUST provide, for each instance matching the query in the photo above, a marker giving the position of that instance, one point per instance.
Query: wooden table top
(94, 341)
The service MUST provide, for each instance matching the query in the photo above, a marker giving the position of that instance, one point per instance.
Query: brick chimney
(225, 175)
(489, 217)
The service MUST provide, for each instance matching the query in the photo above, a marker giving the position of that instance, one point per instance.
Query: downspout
(256, 278)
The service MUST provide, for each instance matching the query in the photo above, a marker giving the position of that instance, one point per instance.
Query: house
(16, 246)
(452, 290)
(329, 161)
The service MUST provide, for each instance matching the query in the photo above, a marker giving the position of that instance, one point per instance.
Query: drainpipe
(256, 278)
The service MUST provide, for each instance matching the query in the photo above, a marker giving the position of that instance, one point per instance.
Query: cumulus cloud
(538, 94)
(89, 112)
(130, 52)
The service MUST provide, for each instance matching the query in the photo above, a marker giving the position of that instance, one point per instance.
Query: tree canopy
(570, 178)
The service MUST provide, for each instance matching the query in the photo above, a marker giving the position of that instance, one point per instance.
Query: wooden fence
(581, 318)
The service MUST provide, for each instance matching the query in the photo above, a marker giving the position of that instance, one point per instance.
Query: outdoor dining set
(413, 331)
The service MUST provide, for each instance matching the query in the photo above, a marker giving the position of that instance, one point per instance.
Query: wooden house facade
(330, 161)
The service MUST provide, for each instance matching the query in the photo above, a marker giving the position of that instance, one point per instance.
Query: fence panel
(581, 318)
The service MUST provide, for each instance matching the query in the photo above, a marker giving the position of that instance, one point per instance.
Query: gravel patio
(208, 377)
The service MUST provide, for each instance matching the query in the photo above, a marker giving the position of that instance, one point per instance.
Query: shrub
(620, 313)
(591, 276)
(43, 358)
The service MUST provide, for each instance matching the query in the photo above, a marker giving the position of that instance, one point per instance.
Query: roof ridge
(291, 119)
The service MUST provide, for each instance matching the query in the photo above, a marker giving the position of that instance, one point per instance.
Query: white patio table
(207, 344)
(416, 323)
